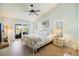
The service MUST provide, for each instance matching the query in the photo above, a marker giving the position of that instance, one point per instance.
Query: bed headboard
(45, 32)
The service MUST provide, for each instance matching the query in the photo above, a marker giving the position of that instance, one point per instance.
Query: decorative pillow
(44, 33)
(50, 36)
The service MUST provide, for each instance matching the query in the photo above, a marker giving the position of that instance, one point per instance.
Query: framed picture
(45, 24)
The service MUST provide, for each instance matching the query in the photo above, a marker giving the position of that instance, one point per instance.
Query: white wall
(78, 26)
(1, 20)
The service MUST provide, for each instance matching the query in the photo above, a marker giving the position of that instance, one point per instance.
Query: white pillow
(50, 36)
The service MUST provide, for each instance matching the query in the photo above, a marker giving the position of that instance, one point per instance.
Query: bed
(36, 41)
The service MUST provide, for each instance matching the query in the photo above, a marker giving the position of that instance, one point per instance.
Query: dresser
(58, 42)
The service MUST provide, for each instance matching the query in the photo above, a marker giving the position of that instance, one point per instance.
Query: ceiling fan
(33, 11)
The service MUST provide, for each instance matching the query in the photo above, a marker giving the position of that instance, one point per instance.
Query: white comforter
(36, 41)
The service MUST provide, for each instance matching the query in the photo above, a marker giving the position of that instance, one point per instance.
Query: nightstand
(58, 42)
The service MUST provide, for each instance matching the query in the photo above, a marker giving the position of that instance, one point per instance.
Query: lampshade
(7, 27)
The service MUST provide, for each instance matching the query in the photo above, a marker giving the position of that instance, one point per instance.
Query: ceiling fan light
(31, 5)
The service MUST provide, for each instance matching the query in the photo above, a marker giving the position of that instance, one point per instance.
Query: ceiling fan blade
(35, 13)
(31, 5)
(37, 10)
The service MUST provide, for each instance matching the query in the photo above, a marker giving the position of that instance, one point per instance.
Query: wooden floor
(17, 49)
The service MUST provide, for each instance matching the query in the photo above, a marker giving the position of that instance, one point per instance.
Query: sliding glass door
(21, 30)
(25, 30)
(18, 31)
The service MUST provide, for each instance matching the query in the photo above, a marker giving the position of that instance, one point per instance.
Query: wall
(78, 26)
(1, 20)
(68, 12)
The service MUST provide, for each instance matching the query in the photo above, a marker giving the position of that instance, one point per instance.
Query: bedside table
(58, 42)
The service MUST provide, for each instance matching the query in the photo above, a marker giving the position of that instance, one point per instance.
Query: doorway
(18, 31)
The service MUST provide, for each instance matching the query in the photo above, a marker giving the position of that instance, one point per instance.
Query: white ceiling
(17, 10)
